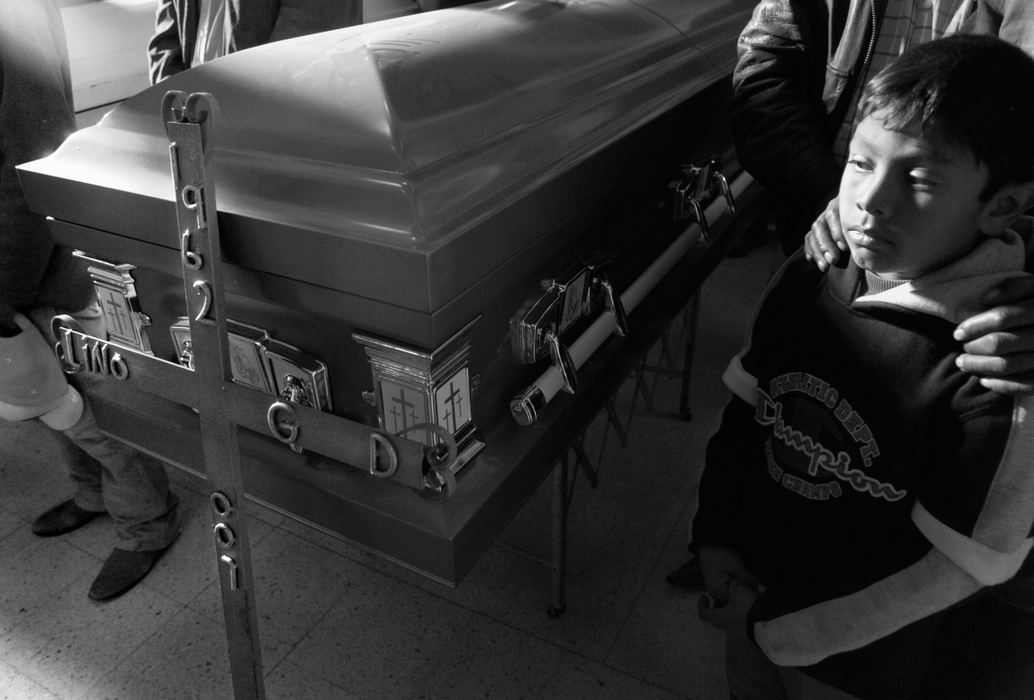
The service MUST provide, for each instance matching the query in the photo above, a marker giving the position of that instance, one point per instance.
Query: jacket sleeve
(975, 512)
(165, 50)
(779, 119)
(1011, 20)
(723, 517)
(720, 519)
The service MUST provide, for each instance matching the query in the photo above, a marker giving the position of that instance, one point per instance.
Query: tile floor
(337, 622)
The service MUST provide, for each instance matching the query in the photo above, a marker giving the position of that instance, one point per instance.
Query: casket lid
(371, 151)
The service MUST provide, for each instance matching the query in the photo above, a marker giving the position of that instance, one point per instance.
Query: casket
(419, 220)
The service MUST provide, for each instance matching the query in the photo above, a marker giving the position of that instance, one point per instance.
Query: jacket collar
(953, 292)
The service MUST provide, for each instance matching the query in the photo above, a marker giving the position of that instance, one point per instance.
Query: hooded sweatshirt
(865, 480)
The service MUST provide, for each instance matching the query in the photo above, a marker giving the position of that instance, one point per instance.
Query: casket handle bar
(568, 357)
(576, 293)
(572, 295)
(698, 185)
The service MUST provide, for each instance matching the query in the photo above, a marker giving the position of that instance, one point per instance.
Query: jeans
(131, 486)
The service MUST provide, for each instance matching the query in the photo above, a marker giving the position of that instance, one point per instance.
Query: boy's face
(909, 204)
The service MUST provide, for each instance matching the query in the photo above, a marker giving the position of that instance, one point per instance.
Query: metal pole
(189, 122)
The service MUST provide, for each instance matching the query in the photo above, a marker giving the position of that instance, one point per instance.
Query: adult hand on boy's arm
(730, 617)
(721, 566)
(999, 343)
(824, 243)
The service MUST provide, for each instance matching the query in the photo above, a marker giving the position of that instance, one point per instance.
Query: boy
(860, 484)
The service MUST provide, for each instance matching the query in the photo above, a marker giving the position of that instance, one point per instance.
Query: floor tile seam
(43, 682)
(126, 656)
(602, 663)
(22, 522)
(36, 610)
(15, 671)
(483, 614)
(220, 617)
(658, 562)
(266, 674)
(72, 543)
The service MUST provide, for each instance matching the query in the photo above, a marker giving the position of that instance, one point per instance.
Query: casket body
(394, 185)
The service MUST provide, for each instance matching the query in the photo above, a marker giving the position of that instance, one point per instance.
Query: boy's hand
(731, 617)
(999, 343)
(824, 243)
(721, 566)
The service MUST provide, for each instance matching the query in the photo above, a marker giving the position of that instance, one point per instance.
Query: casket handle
(615, 306)
(562, 361)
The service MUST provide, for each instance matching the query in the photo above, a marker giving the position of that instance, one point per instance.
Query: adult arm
(999, 343)
(165, 50)
(1011, 20)
(779, 119)
(171, 48)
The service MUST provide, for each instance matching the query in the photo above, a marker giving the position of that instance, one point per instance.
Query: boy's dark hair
(974, 91)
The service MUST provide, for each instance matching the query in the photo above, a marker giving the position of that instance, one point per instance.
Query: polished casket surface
(403, 179)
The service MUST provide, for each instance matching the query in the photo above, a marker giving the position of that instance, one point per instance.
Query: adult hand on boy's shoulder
(998, 344)
(824, 243)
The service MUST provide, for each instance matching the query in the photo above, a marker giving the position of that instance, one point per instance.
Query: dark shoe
(122, 570)
(62, 518)
(688, 576)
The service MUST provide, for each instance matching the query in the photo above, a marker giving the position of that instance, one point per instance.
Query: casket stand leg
(678, 295)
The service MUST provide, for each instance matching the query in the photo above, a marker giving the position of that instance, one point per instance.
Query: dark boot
(62, 518)
(122, 570)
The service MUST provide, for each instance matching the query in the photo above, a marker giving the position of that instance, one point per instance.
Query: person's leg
(85, 473)
(751, 676)
(131, 486)
(984, 649)
(137, 496)
(86, 503)
(135, 487)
